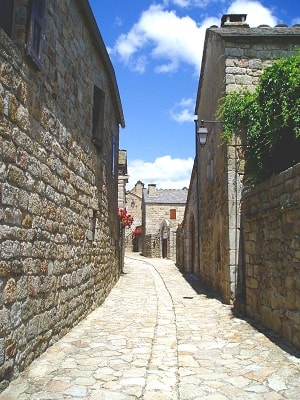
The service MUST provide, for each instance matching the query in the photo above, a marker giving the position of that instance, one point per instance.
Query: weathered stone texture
(187, 235)
(272, 243)
(59, 232)
(234, 60)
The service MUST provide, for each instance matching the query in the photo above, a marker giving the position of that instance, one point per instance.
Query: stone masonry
(59, 233)
(234, 57)
(239, 55)
(271, 220)
(134, 207)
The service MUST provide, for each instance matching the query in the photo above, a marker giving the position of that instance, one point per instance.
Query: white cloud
(296, 21)
(162, 35)
(183, 111)
(257, 14)
(165, 171)
(193, 3)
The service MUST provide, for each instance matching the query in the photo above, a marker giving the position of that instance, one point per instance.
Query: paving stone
(156, 338)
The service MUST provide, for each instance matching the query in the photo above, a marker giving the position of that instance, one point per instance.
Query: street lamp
(201, 131)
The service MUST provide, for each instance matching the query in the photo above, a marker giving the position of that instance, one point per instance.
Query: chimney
(152, 189)
(139, 186)
(236, 20)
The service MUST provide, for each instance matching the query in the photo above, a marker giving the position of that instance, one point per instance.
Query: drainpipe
(198, 199)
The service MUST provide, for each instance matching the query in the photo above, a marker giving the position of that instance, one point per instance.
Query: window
(173, 213)
(210, 171)
(112, 155)
(7, 15)
(98, 117)
(36, 32)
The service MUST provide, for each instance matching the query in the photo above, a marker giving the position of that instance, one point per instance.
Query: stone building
(234, 57)
(122, 178)
(134, 207)
(162, 213)
(122, 181)
(60, 113)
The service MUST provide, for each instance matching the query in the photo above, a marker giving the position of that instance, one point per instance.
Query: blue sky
(156, 48)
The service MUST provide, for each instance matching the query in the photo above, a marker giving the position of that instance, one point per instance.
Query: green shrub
(270, 117)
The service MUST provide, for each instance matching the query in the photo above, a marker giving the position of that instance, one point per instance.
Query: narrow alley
(160, 335)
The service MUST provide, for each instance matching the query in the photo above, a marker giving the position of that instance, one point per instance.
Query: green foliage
(270, 117)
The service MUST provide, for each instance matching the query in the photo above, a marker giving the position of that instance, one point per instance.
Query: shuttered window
(173, 213)
(7, 15)
(98, 117)
(36, 32)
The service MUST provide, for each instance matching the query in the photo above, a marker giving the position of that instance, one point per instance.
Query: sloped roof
(261, 31)
(92, 25)
(166, 196)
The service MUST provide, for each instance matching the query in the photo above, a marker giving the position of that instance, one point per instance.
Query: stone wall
(134, 207)
(271, 213)
(233, 60)
(155, 218)
(187, 238)
(151, 246)
(59, 239)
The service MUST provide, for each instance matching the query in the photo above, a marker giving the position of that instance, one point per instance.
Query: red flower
(136, 232)
(125, 218)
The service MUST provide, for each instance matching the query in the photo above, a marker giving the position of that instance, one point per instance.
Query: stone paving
(158, 336)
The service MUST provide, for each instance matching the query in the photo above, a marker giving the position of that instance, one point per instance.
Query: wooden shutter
(36, 32)
(173, 213)
(98, 117)
(7, 15)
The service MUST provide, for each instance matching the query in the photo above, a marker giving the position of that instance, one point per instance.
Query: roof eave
(92, 25)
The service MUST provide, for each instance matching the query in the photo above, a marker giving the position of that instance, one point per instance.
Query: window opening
(112, 155)
(98, 117)
(36, 32)
(7, 16)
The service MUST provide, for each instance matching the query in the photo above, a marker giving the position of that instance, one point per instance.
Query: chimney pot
(234, 20)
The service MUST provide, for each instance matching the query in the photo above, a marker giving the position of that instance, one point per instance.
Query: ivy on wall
(270, 117)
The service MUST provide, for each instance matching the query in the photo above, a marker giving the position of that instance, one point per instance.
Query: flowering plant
(136, 232)
(125, 218)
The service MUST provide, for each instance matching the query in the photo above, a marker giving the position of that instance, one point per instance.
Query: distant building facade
(162, 213)
(122, 178)
(134, 207)
(60, 114)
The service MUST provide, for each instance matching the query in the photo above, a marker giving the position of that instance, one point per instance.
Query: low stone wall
(271, 214)
(151, 246)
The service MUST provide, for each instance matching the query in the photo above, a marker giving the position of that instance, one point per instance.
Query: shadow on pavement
(200, 288)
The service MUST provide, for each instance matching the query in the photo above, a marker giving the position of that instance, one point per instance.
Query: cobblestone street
(160, 335)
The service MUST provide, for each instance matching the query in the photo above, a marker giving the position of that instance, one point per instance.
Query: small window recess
(218, 255)
(93, 224)
(98, 117)
(36, 32)
(210, 171)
